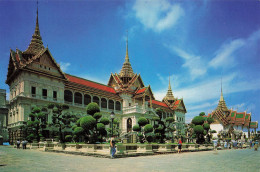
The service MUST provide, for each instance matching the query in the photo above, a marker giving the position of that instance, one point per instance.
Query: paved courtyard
(32, 160)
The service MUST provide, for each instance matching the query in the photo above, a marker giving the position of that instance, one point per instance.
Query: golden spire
(222, 104)
(169, 96)
(126, 55)
(127, 70)
(36, 43)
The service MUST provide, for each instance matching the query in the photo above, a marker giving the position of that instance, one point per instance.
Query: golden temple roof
(169, 95)
(222, 104)
(36, 44)
(126, 70)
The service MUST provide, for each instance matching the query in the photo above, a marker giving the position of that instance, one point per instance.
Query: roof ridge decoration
(36, 43)
(169, 94)
(126, 70)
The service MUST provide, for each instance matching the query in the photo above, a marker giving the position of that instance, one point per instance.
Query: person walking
(25, 143)
(113, 147)
(256, 145)
(18, 144)
(225, 144)
(179, 146)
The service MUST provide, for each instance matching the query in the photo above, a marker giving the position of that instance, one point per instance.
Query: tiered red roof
(90, 84)
(159, 103)
(176, 104)
(141, 90)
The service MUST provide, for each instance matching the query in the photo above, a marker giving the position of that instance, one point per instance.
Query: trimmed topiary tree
(93, 124)
(36, 124)
(61, 118)
(136, 128)
(148, 128)
(202, 123)
(140, 128)
(161, 127)
(198, 120)
(68, 138)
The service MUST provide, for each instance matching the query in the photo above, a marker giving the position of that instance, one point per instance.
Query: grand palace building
(231, 121)
(35, 78)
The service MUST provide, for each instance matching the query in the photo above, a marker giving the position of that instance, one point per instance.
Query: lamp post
(112, 116)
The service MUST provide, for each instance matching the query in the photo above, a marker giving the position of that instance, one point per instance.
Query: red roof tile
(159, 103)
(177, 102)
(90, 84)
(141, 91)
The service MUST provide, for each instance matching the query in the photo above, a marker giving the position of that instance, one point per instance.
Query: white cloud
(224, 56)
(202, 106)
(195, 64)
(238, 107)
(158, 15)
(64, 66)
(210, 89)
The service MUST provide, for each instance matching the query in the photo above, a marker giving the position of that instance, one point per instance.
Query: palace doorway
(129, 125)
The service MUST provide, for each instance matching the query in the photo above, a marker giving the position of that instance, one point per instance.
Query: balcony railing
(136, 109)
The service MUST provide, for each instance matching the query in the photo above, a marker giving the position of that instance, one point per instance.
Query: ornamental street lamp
(112, 116)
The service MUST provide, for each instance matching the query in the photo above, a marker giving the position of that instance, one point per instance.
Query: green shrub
(198, 129)
(104, 121)
(100, 126)
(198, 120)
(213, 131)
(68, 138)
(169, 119)
(210, 120)
(97, 115)
(148, 128)
(156, 118)
(92, 108)
(78, 131)
(136, 128)
(142, 121)
(73, 127)
(202, 113)
(206, 126)
(36, 110)
(87, 122)
(159, 112)
(78, 122)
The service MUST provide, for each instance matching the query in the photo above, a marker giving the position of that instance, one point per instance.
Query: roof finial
(221, 97)
(36, 43)
(37, 15)
(126, 70)
(169, 87)
(126, 56)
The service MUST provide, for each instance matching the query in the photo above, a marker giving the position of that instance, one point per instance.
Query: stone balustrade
(122, 149)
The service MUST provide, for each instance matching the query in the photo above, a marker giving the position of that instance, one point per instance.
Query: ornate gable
(45, 63)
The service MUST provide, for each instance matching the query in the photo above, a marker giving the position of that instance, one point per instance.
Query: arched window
(129, 124)
(104, 103)
(67, 96)
(111, 104)
(87, 99)
(118, 105)
(96, 99)
(78, 98)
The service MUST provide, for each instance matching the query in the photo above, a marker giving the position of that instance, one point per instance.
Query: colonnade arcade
(80, 99)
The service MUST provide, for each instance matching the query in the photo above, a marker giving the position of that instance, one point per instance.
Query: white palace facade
(35, 78)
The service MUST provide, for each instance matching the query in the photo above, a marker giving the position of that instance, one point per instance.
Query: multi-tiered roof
(231, 117)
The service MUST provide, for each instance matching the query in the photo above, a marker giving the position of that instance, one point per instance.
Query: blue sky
(195, 42)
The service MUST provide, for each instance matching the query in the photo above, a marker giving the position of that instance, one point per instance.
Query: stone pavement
(246, 160)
